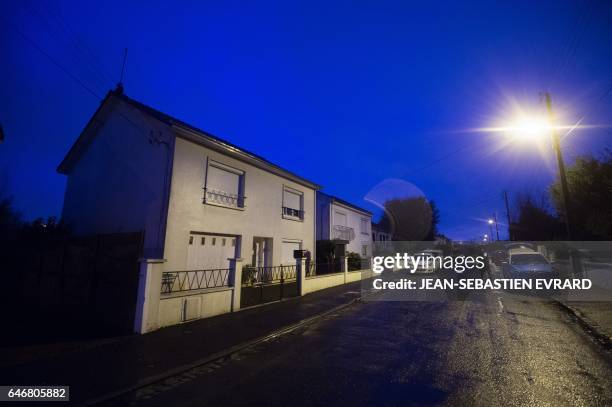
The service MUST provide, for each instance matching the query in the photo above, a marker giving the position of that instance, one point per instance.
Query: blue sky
(348, 94)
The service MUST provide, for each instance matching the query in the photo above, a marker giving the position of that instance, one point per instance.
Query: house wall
(261, 217)
(120, 182)
(353, 219)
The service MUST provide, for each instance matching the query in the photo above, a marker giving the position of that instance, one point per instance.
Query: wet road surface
(497, 349)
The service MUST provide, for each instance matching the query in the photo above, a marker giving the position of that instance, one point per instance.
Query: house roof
(345, 203)
(78, 147)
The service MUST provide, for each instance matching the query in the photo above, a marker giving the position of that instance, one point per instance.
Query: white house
(338, 219)
(200, 201)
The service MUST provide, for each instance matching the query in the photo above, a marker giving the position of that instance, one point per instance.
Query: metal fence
(177, 281)
(323, 268)
(268, 274)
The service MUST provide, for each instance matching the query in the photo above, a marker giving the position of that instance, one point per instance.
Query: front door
(262, 252)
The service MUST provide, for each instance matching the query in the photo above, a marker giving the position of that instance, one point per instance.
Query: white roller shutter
(220, 179)
(339, 218)
(292, 200)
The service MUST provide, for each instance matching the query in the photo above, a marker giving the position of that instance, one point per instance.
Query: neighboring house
(380, 234)
(340, 220)
(199, 199)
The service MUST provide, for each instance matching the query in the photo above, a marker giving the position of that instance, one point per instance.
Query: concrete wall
(205, 304)
(120, 182)
(262, 215)
(355, 275)
(316, 283)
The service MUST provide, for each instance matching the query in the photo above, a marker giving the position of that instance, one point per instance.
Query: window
(339, 218)
(364, 250)
(224, 185)
(363, 226)
(190, 239)
(293, 201)
(203, 242)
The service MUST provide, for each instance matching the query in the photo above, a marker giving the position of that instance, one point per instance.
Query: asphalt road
(497, 349)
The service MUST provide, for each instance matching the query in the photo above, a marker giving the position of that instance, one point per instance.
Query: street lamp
(491, 222)
(534, 128)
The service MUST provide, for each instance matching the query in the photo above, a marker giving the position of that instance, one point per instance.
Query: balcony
(343, 233)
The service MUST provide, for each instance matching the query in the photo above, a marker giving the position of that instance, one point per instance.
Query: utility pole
(496, 228)
(508, 215)
(557, 147)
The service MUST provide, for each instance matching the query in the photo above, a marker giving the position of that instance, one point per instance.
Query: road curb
(218, 355)
(591, 328)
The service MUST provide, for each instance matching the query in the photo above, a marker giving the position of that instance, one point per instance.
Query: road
(497, 349)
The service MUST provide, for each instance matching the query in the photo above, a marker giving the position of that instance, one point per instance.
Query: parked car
(430, 266)
(525, 263)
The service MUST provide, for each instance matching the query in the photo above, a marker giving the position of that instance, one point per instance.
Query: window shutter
(340, 219)
(292, 200)
(219, 179)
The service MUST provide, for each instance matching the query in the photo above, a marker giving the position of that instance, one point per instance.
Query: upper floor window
(293, 203)
(364, 226)
(224, 185)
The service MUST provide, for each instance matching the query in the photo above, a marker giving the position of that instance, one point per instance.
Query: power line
(62, 36)
(54, 61)
(431, 164)
(81, 46)
(83, 85)
(568, 52)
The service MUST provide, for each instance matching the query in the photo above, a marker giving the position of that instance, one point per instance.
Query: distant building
(340, 220)
(380, 234)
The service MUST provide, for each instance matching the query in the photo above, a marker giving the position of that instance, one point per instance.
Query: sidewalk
(94, 371)
(598, 315)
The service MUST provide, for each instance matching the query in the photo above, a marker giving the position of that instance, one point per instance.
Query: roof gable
(222, 145)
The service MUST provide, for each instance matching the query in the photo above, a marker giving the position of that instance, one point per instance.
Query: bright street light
(490, 221)
(533, 128)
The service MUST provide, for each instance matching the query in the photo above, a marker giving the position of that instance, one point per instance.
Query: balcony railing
(177, 281)
(294, 213)
(223, 198)
(343, 233)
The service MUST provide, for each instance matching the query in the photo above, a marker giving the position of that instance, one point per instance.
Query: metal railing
(223, 198)
(177, 281)
(268, 274)
(296, 213)
(343, 233)
(321, 269)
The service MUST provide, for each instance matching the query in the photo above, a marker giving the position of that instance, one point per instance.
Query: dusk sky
(347, 94)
